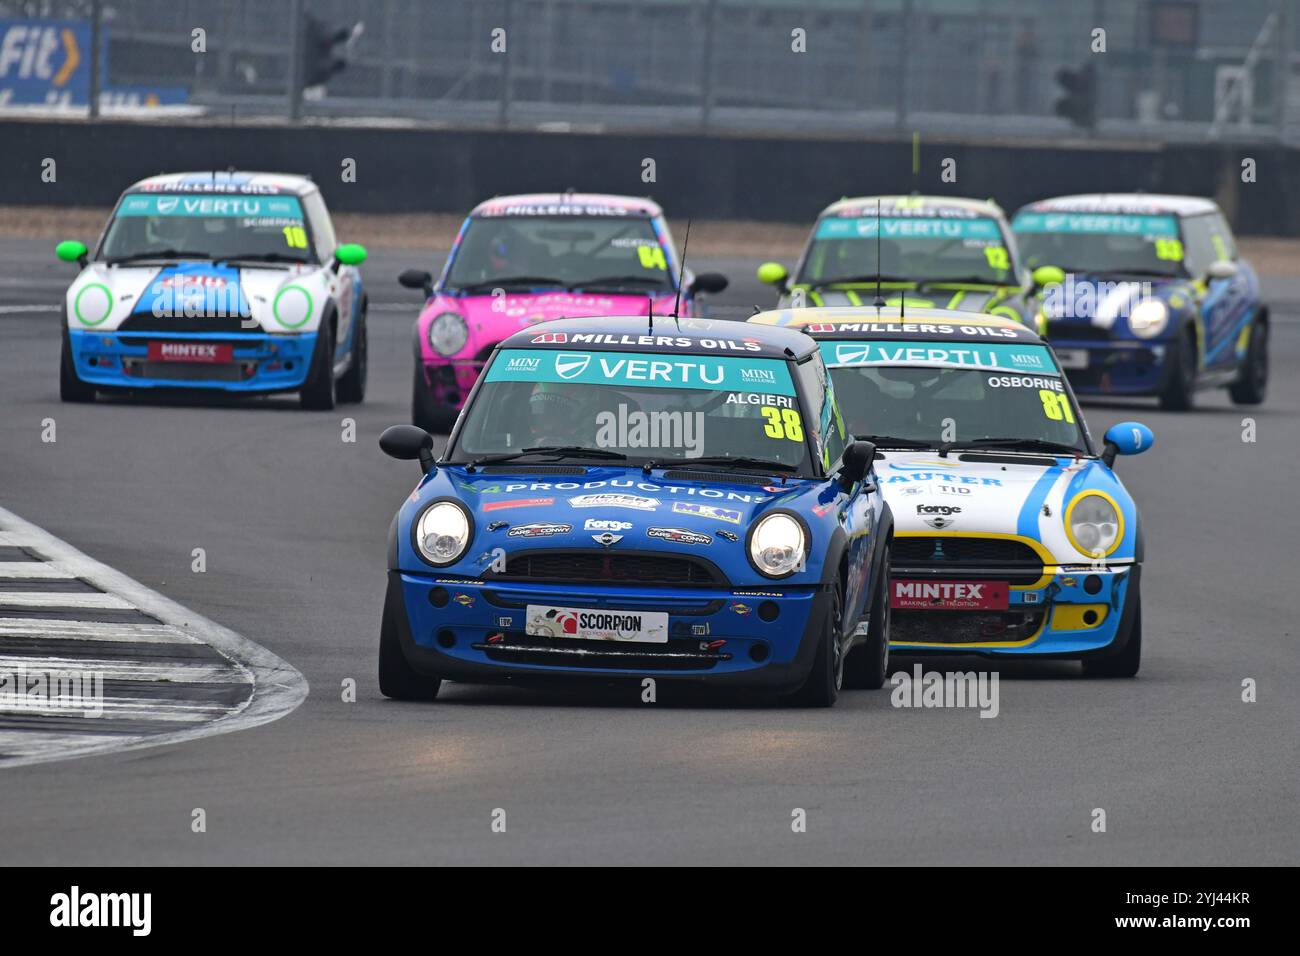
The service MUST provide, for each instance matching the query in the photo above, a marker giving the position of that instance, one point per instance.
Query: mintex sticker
(994, 356)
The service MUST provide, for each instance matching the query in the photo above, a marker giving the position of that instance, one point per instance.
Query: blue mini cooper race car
(1013, 535)
(1146, 295)
(625, 501)
(230, 282)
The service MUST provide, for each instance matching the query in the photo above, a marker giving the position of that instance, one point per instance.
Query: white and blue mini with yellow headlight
(231, 282)
(1013, 534)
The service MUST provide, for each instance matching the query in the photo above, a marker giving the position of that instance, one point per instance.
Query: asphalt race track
(293, 523)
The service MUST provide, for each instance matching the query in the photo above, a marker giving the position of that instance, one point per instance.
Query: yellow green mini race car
(923, 251)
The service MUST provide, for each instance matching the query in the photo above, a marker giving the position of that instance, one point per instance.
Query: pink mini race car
(518, 260)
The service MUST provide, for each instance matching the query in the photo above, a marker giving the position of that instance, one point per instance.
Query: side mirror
(408, 443)
(1222, 269)
(710, 282)
(72, 251)
(417, 279)
(1126, 438)
(350, 254)
(857, 460)
(773, 273)
(1048, 275)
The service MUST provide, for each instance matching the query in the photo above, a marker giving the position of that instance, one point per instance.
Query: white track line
(25, 570)
(83, 600)
(277, 687)
(39, 628)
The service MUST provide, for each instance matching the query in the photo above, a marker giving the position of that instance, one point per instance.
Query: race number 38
(783, 423)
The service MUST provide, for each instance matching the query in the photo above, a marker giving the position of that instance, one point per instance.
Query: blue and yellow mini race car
(1146, 295)
(1013, 535)
(624, 501)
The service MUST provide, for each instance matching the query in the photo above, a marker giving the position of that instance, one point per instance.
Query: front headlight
(777, 545)
(442, 533)
(448, 333)
(1094, 525)
(1148, 318)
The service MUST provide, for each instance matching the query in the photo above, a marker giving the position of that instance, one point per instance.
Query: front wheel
(71, 387)
(868, 664)
(822, 688)
(1179, 389)
(317, 393)
(1251, 388)
(352, 386)
(1128, 661)
(397, 678)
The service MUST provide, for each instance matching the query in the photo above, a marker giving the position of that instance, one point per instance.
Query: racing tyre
(867, 665)
(352, 386)
(822, 688)
(397, 679)
(426, 413)
(1253, 384)
(72, 388)
(1178, 392)
(318, 392)
(1128, 661)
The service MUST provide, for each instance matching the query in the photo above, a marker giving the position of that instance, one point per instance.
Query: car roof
(688, 336)
(567, 204)
(937, 205)
(891, 322)
(1133, 203)
(226, 181)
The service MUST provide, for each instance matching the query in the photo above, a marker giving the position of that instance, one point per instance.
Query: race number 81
(1056, 406)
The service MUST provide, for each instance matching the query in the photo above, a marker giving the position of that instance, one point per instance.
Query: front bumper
(1076, 612)
(261, 362)
(1114, 367)
(448, 381)
(477, 634)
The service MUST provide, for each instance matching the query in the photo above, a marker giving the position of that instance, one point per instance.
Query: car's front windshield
(1100, 242)
(585, 253)
(205, 226)
(640, 406)
(926, 394)
(921, 248)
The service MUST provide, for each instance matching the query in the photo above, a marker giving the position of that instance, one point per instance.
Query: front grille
(187, 371)
(963, 627)
(941, 556)
(672, 656)
(595, 567)
(148, 322)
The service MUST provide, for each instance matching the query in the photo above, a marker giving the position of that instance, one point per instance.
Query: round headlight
(442, 533)
(448, 333)
(777, 546)
(1148, 318)
(1094, 525)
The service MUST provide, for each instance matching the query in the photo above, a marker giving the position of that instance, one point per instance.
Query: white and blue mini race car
(220, 281)
(1013, 534)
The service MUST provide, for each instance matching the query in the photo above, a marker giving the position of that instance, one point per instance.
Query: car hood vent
(1009, 460)
(716, 476)
(532, 470)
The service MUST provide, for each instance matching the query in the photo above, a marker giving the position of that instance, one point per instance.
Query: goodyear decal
(1000, 357)
(637, 369)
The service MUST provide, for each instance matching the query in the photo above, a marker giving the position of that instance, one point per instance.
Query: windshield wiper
(616, 282)
(489, 285)
(889, 441)
(159, 254)
(858, 280)
(560, 451)
(1035, 444)
(960, 280)
(738, 461)
(268, 257)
